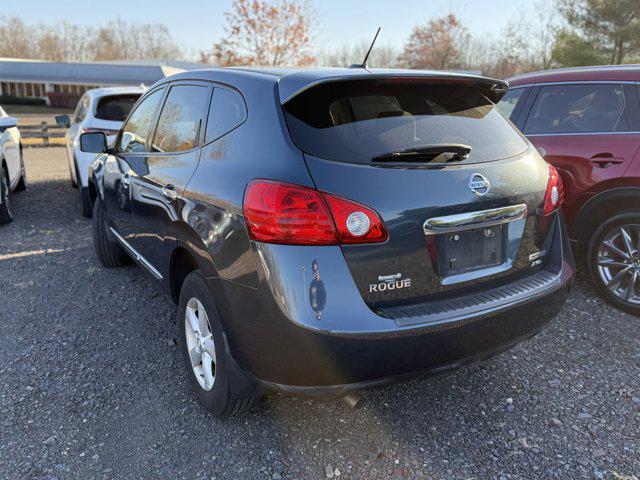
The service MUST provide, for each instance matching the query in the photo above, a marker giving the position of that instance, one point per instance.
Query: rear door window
(510, 101)
(181, 119)
(363, 120)
(226, 112)
(577, 108)
(115, 108)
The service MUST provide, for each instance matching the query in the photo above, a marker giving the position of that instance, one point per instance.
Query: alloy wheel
(618, 262)
(200, 344)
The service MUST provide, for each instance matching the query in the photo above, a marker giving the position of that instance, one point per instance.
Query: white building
(36, 79)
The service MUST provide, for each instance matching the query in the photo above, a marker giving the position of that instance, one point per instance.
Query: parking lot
(92, 385)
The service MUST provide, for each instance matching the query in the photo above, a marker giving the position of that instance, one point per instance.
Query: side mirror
(93, 142)
(63, 121)
(8, 122)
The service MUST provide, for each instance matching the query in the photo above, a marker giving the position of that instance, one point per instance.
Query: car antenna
(366, 57)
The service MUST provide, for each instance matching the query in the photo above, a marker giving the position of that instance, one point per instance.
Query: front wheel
(22, 183)
(107, 248)
(85, 202)
(74, 180)
(219, 385)
(613, 259)
(6, 210)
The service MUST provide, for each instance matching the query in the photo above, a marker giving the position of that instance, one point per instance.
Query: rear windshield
(359, 121)
(115, 108)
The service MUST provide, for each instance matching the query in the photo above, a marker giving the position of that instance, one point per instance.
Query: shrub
(8, 100)
(63, 100)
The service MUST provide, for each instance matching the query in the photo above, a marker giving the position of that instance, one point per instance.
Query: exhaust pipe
(353, 400)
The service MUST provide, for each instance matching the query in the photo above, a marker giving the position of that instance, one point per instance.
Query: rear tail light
(354, 222)
(554, 196)
(278, 212)
(282, 213)
(106, 131)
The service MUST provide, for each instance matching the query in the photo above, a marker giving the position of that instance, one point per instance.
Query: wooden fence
(45, 131)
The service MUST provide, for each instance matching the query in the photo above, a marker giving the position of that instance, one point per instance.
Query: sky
(196, 24)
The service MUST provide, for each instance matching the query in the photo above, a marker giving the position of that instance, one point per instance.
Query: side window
(579, 108)
(631, 108)
(181, 118)
(81, 109)
(134, 133)
(509, 102)
(226, 112)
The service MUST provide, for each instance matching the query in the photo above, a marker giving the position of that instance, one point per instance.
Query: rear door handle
(169, 192)
(606, 159)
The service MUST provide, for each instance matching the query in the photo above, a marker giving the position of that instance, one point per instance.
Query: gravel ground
(92, 386)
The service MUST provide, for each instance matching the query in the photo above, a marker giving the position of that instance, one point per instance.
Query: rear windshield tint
(357, 121)
(115, 108)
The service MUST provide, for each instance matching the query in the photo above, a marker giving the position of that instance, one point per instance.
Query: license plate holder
(473, 249)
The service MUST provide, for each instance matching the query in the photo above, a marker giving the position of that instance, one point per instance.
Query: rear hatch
(111, 111)
(458, 188)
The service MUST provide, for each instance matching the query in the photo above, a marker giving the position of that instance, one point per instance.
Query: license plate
(472, 249)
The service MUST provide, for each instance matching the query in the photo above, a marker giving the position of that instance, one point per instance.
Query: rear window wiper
(455, 152)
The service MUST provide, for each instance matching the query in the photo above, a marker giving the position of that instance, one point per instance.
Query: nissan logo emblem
(479, 184)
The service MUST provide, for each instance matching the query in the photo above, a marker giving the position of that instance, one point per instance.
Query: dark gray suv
(328, 230)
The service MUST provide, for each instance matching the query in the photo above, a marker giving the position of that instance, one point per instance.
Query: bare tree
(382, 56)
(16, 39)
(68, 42)
(479, 53)
(525, 44)
(533, 32)
(115, 41)
(157, 43)
(64, 42)
(436, 45)
(121, 40)
(547, 27)
(262, 32)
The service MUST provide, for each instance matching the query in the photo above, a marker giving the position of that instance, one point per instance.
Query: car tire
(107, 248)
(6, 210)
(220, 386)
(22, 183)
(614, 264)
(85, 202)
(74, 176)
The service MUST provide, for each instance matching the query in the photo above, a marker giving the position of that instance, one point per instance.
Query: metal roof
(108, 73)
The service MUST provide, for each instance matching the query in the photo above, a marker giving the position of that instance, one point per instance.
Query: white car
(100, 109)
(11, 165)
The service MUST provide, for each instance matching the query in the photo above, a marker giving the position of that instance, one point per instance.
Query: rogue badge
(390, 282)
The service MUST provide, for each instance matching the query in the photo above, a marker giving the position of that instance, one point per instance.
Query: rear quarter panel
(259, 148)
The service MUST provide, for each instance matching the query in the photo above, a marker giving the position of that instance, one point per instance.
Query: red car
(586, 122)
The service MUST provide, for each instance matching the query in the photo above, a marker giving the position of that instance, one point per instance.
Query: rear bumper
(285, 343)
(429, 351)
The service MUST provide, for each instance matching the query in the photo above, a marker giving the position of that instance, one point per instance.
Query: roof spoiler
(294, 84)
